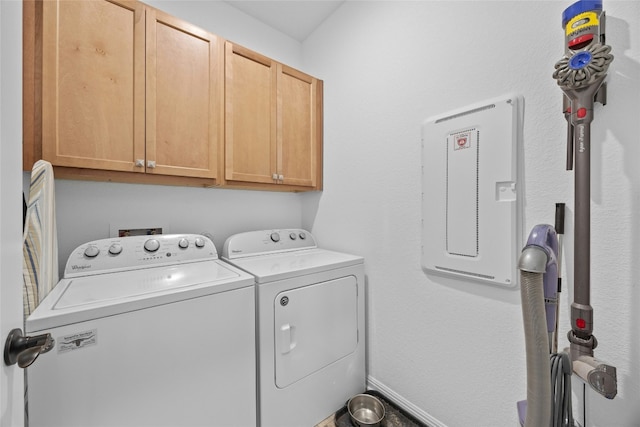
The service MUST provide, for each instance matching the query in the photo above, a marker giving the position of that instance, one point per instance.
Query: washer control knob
(275, 237)
(151, 245)
(302, 235)
(115, 249)
(199, 242)
(183, 243)
(91, 251)
(293, 236)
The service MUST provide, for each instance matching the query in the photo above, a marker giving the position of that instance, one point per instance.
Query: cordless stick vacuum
(580, 74)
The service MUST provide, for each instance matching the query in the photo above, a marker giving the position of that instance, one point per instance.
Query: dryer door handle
(287, 338)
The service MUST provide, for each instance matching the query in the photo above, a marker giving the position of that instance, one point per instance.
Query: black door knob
(25, 350)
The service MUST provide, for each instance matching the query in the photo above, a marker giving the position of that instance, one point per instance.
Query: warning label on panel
(77, 341)
(462, 141)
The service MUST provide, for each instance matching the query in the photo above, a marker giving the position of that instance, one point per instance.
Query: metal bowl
(365, 410)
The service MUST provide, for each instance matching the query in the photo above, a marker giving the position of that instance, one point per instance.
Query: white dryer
(149, 331)
(311, 331)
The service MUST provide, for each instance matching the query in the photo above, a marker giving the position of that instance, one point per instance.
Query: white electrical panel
(471, 207)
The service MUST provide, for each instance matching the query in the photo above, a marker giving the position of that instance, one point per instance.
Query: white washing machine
(311, 331)
(149, 331)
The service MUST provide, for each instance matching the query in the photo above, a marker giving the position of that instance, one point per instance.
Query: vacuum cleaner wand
(580, 74)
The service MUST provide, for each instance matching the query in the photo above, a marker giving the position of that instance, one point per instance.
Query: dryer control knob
(293, 236)
(183, 243)
(151, 245)
(91, 251)
(115, 249)
(199, 242)
(303, 235)
(275, 237)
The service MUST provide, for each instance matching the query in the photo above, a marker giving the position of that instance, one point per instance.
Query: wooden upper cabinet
(93, 84)
(273, 122)
(184, 103)
(115, 90)
(128, 88)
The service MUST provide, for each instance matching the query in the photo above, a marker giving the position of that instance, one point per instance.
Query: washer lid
(84, 298)
(268, 268)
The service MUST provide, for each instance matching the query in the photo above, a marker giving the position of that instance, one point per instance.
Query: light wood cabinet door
(250, 116)
(129, 88)
(273, 122)
(184, 99)
(93, 84)
(297, 127)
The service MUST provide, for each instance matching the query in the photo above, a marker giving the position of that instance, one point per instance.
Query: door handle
(25, 350)
(287, 338)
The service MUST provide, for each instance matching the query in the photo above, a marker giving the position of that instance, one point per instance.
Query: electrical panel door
(470, 192)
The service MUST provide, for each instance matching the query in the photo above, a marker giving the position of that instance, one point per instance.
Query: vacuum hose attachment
(538, 407)
(538, 290)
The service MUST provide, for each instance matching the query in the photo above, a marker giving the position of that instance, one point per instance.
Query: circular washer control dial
(183, 243)
(91, 251)
(303, 235)
(151, 245)
(199, 242)
(293, 236)
(115, 249)
(275, 237)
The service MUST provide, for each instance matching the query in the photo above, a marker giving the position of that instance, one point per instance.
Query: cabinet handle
(274, 176)
(280, 178)
(139, 163)
(151, 164)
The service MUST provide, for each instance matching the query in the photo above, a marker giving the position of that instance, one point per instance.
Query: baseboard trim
(419, 414)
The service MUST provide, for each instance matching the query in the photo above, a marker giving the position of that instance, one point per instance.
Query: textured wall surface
(455, 349)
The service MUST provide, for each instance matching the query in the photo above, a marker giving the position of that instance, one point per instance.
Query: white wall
(228, 22)
(456, 349)
(86, 210)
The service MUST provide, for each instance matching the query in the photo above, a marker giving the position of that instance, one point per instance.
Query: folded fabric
(40, 240)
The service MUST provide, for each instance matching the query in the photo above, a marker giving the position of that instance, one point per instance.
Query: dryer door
(315, 326)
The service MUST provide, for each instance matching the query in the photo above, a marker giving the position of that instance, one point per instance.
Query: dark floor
(394, 416)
